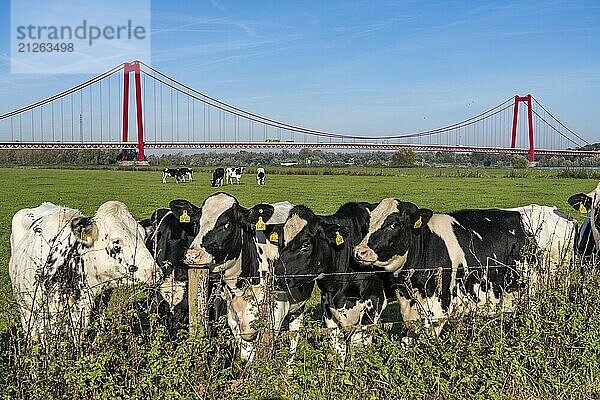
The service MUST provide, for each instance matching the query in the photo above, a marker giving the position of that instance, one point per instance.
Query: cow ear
(148, 226)
(181, 207)
(85, 230)
(336, 235)
(259, 211)
(581, 202)
(420, 218)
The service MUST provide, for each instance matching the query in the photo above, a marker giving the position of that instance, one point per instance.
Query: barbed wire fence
(573, 278)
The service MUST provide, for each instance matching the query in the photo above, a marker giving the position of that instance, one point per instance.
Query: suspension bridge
(155, 111)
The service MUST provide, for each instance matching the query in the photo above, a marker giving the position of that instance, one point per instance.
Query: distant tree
(520, 162)
(403, 158)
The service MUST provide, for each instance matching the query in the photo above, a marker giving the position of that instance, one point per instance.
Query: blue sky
(367, 67)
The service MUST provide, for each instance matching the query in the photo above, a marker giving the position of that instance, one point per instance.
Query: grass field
(143, 192)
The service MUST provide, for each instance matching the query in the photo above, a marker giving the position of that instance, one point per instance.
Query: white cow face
(115, 246)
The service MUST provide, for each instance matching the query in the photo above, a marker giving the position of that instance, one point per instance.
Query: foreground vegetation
(547, 350)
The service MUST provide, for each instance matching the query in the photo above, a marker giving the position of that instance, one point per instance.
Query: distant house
(288, 163)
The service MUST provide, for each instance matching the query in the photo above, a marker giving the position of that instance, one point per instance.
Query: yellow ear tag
(339, 239)
(582, 208)
(274, 237)
(83, 235)
(185, 218)
(260, 225)
(418, 223)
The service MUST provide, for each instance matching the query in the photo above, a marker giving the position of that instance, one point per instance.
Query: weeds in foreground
(548, 349)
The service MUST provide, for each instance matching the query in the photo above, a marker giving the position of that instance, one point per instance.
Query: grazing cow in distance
(186, 173)
(241, 244)
(260, 176)
(588, 242)
(170, 231)
(321, 247)
(468, 261)
(234, 173)
(174, 173)
(61, 262)
(217, 177)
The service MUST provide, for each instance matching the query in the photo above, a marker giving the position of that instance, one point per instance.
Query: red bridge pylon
(527, 100)
(135, 68)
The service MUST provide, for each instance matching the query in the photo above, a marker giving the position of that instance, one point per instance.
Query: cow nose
(196, 255)
(360, 252)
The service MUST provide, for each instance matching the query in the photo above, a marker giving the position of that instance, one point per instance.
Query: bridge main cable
(278, 124)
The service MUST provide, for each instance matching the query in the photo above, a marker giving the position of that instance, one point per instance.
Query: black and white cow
(260, 176)
(217, 177)
(61, 261)
(174, 173)
(234, 173)
(469, 261)
(241, 244)
(588, 242)
(186, 173)
(170, 231)
(320, 247)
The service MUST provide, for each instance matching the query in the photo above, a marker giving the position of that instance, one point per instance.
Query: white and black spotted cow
(241, 244)
(217, 177)
(321, 247)
(469, 261)
(61, 261)
(173, 173)
(170, 231)
(234, 173)
(260, 176)
(588, 242)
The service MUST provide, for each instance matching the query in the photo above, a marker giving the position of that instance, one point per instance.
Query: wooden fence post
(198, 300)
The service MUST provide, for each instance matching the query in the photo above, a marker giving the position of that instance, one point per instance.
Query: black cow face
(394, 227)
(312, 247)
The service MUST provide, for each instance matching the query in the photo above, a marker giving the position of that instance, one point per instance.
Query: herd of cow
(361, 257)
(220, 175)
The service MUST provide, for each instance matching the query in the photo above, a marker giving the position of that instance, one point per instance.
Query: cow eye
(227, 225)
(306, 245)
(391, 226)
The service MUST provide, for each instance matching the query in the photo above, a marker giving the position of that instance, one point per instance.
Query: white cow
(260, 176)
(233, 173)
(62, 260)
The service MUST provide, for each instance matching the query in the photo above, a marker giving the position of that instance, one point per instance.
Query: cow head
(394, 227)
(223, 224)
(115, 242)
(311, 246)
(589, 204)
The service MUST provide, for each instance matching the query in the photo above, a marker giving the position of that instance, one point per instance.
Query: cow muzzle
(365, 254)
(152, 275)
(197, 256)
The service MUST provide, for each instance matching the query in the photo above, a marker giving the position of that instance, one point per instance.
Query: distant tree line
(305, 157)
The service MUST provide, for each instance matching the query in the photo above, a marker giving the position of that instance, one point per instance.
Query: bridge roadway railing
(287, 146)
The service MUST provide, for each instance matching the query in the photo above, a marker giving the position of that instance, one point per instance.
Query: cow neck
(249, 257)
(70, 273)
